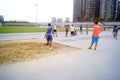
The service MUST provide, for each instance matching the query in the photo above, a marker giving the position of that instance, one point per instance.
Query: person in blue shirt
(49, 37)
(115, 31)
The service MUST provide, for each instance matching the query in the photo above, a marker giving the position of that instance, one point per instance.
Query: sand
(16, 51)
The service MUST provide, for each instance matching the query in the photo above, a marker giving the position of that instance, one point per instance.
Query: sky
(25, 10)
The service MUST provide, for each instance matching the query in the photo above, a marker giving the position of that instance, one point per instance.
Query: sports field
(21, 29)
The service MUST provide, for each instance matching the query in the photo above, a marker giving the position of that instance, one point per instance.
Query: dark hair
(115, 26)
(95, 22)
(49, 24)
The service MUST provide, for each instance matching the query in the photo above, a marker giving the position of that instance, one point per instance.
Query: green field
(6, 29)
(21, 29)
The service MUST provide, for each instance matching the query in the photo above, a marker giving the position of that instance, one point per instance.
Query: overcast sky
(25, 10)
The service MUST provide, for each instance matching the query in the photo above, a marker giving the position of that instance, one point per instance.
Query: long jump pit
(15, 51)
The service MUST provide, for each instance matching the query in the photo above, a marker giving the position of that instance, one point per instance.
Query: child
(115, 31)
(72, 30)
(95, 37)
(66, 30)
(87, 30)
(49, 37)
(55, 30)
(81, 31)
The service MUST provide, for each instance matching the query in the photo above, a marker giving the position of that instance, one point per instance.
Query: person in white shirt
(72, 30)
(55, 30)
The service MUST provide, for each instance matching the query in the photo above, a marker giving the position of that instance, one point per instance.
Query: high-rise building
(105, 9)
(67, 19)
(83, 10)
(90, 9)
(77, 8)
(108, 9)
(118, 11)
(59, 20)
(114, 9)
(97, 8)
(53, 20)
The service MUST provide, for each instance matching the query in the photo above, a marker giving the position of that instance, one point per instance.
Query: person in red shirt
(95, 36)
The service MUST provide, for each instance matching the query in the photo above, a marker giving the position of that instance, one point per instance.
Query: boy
(115, 31)
(72, 30)
(55, 30)
(81, 31)
(66, 30)
(49, 37)
(95, 37)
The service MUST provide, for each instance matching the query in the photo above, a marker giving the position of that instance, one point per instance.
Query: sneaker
(94, 48)
(50, 47)
(47, 46)
(89, 48)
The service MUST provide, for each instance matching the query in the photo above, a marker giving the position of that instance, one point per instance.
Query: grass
(21, 29)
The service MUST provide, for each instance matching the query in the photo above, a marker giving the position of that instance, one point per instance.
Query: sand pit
(15, 51)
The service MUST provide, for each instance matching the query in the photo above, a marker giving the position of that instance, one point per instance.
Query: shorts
(55, 30)
(115, 34)
(66, 30)
(49, 38)
(72, 32)
(80, 30)
(94, 40)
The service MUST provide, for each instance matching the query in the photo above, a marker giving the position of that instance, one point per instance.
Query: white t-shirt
(55, 27)
(72, 28)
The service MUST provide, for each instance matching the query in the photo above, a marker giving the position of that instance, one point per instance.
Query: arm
(101, 30)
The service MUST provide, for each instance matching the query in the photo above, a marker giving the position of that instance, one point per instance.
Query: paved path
(102, 64)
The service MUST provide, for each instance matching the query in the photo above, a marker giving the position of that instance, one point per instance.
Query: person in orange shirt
(95, 37)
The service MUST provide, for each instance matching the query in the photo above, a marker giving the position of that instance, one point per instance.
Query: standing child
(96, 31)
(87, 30)
(66, 30)
(115, 31)
(55, 30)
(81, 31)
(49, 37)
(72, 30)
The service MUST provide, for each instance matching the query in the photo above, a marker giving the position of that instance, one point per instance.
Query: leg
(92, 42)
(50, 45)
(50, 42)
(95, 46)
(90, 46)
(66, 34)
(96, 43)
(53, 32)
(47, 43)
(116, 36)
(56, 33)
(47, 38)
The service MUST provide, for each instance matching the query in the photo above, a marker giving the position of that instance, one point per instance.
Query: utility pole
(36, 5)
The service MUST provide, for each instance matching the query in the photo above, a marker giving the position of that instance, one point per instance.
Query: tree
(1, 19)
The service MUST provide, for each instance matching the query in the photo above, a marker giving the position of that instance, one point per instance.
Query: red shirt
(96, 30)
